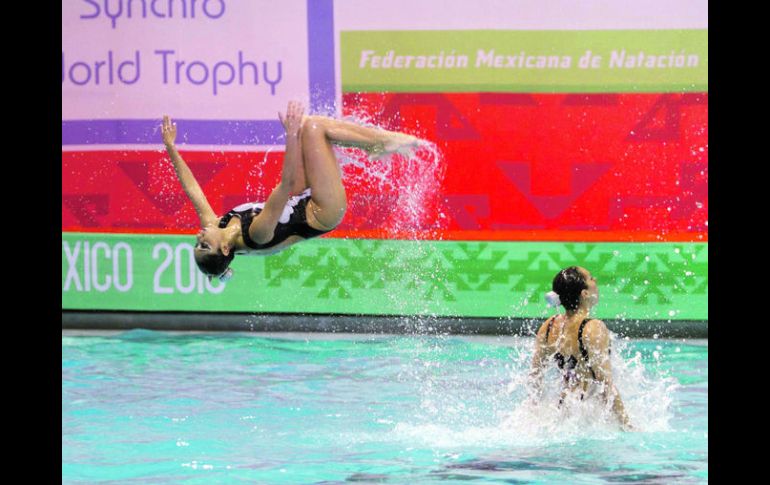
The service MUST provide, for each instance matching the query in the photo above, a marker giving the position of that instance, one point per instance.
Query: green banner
(604, 61)
(650, 281)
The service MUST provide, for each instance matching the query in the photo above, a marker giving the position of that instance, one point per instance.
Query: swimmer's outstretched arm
(186, 178)
(263, 226)
(598, 338)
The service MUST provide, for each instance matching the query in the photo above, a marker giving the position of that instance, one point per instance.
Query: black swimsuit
(570, 376)
(295, 226)
(571, 363)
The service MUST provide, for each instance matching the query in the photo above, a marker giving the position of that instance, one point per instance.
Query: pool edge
(377, 324)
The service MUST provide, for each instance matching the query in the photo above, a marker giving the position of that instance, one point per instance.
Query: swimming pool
(152, 407)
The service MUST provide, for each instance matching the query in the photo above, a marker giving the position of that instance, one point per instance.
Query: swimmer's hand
(168, 130)
(292, 122)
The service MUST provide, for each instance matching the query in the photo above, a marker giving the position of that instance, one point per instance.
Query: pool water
(157, 407)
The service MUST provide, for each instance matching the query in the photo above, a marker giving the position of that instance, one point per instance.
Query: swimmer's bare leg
(375, 141)
(328, 201)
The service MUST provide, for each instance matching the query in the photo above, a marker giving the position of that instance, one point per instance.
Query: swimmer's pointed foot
(400, 143)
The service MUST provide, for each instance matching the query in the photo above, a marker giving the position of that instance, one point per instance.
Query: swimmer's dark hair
(214, 264)
(568, 283)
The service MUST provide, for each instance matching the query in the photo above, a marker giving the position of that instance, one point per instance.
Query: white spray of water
(255, 188)
(411, 182)
(494, 411)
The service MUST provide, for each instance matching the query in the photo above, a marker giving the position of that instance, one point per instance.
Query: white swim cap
(553, 299)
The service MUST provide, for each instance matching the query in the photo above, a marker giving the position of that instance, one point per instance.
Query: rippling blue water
(154, 407)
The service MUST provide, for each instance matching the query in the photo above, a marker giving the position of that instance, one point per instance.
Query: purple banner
(195, 132)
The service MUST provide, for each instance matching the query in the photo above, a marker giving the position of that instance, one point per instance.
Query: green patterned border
(599, 61)
(650, 281)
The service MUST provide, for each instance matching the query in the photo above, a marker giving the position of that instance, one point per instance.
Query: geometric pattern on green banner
(525, 61)
(645, 281)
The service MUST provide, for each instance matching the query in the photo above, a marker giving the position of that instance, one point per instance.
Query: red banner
(612, 167)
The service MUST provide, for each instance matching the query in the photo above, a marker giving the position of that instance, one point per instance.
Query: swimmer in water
(577, 344)
(309, 200)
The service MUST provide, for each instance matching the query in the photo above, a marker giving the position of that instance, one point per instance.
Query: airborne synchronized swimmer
(309, 200)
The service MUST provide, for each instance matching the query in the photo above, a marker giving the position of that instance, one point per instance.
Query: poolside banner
(563, 134)
(605, 61)
(487, 279)
(617, 167)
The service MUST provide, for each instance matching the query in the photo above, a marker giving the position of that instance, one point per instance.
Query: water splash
(407, 187)
(488, 407)
(255, 188)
